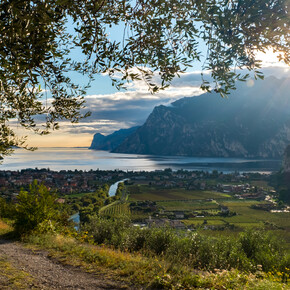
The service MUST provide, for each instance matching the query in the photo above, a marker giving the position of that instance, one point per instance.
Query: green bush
(134, 239)
(107, 231)
(7, 209)
(262, 249)
(159, 240)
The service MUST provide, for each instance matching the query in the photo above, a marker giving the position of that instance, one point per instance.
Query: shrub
(159, 240)
(195, 250)
(135, 239)
(107, 231)
(7, 209)
(262, 249)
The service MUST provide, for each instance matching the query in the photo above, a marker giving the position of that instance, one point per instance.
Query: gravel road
(47, 273)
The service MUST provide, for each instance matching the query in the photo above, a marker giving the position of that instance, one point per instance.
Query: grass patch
(261, 183)
(210, 222)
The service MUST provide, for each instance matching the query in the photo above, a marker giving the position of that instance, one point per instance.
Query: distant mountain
(286, 160)
(98, 140)
(254, 122)
(110, 142)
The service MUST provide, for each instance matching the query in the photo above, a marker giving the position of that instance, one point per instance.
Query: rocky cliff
(110, 142)
(253, 122)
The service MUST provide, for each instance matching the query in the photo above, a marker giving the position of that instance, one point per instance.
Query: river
(112, 191)
(113, 188)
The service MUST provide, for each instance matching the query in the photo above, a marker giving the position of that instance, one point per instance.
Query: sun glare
(270, 58)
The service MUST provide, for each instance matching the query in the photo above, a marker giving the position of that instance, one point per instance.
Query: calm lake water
(85, 159)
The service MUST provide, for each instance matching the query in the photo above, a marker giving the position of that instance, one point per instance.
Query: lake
(85, 159)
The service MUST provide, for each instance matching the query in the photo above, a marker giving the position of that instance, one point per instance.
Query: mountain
(286, 160)
(254, 122)
(110, 142)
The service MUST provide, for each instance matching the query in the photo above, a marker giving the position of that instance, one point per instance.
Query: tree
(161, 37)
(34, 207)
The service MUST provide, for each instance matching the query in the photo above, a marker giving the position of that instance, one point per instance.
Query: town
(180, 199)
(67, 182)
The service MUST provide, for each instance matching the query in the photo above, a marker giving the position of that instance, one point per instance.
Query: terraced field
(115, 209)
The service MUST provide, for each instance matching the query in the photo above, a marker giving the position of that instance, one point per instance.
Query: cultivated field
(144, 192)
(206, 204)
(115, 209)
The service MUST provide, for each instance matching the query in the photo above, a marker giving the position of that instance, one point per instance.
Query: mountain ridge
(254, 122)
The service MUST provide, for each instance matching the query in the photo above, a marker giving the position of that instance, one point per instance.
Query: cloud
(131, 107)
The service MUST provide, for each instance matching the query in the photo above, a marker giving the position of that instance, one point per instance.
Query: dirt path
(48, 273)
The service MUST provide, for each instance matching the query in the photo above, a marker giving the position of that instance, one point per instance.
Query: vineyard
(115, 209)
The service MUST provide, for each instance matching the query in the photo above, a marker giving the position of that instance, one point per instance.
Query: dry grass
(13, 278)
(4, 228)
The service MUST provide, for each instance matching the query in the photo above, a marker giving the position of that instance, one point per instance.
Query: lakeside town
(180, 199)
(67, 182)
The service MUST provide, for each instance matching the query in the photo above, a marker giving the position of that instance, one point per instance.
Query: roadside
(39, 271)
(23, 268)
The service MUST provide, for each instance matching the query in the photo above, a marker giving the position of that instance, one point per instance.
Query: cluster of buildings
(190, 180)
(65, 182)
(245, 191)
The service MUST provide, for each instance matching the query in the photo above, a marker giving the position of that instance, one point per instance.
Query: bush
(159, 240)
(107, 231)
(262, 249)
(7, 209)
(134, 239)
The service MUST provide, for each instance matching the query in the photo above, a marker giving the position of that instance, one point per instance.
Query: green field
(144, 192)
(188, 205)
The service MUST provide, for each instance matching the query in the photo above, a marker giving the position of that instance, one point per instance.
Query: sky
(112, 110)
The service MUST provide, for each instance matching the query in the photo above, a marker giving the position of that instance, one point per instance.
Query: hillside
(54, 261)
(254, 122)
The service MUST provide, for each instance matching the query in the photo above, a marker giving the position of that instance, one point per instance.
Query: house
(179, 214)
(176, 224)
(157, 222)
(224, 210)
